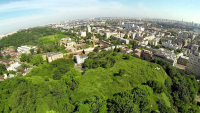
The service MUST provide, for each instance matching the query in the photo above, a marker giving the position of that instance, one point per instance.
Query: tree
(31, 51)
(23, 57)
(134, 101)
(38, 51)
(8, 56)
(126, 36)
(129, 46)
(71, 55)
(57, 75)
(96, 49)
(2, 69)
(83, 52)
(133, 42)
(1, 56)
(122, 71)
(126, 56)
(24, 66)
(36, 60)
(120, 49)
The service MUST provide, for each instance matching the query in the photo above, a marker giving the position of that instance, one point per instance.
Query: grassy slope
(101, 81)
(51, 38)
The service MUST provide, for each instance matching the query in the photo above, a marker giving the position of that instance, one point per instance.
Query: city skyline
(20, 14)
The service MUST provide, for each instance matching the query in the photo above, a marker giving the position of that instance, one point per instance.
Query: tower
(88, 28)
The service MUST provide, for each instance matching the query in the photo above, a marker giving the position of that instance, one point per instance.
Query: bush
(46, 78)
(122, 71)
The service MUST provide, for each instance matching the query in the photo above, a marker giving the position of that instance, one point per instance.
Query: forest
(111, 82)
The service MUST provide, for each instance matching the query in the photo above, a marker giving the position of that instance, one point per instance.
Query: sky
(20, 14)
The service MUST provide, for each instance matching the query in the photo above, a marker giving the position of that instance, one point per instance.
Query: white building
(14, 67)
(121, 40)
(80, 58)
(83, 33)
(88, 29)
(149, 38)
(133, 36)
(169, 44)
(155, 41)
(166, 55)
(193, 64)
(26, 49)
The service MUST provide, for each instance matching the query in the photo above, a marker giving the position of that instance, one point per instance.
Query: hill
(111, 82)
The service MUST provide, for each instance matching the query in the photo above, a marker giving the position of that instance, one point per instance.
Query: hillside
(111, 82)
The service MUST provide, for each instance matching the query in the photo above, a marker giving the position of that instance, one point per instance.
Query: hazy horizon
(20, 14)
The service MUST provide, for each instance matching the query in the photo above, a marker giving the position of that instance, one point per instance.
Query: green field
(51, 38)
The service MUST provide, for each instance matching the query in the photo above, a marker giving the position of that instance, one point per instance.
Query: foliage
(137, 100)
(1, 56)
(2, 69)
(58, 87)
(133, 43)
(31, 51)
(96, 49)
(36, 60)
(26, 37)
(25, 58)
(8, 56)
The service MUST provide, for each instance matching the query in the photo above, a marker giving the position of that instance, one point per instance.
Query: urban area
(177, 42)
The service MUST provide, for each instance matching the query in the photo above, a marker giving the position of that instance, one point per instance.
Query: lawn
(52, 38)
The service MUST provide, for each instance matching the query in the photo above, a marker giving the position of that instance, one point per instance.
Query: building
(51, 56)
(6, 61)
(121, 40)
(14, 67)
(133, 36)
(155, 41)
(194, 48)
(169, 44)
(80, 58)
(83, 33)
(166, 55)
(149, 38)
(138, 52)
(193, 65)
(147, 53)
(1, 78)
(67, 42)
(25, 49)
(88, 29)
(182, 60)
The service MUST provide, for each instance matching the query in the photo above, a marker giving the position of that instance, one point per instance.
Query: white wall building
(14, 67)
(193, 65)
(83, 33)
(80, 58)
(169, 44)
(88, 29)
(26, 49)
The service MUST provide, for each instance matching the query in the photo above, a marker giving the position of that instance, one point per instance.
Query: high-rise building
(193, 65)
(88, 28)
